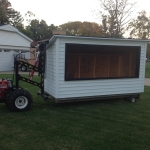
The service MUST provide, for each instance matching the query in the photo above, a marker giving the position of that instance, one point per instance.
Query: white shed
(12, 42)
(90, 67)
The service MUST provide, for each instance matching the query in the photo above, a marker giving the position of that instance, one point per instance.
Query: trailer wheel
(19, 100)
(132, 99)
(23, 68)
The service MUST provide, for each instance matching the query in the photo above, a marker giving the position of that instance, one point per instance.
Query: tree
(115, 16)
(34, 27)
(71, 27)
(4, 10)
(29, 16)
(140, 27)
(90, 29)
(9, 15)
(40, 30)
(27, 32)
(3, 16)
(16, 20)
(82, 28)
(53, 27)
(45, 31)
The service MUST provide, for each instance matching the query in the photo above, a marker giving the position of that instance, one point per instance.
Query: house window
(101, 61)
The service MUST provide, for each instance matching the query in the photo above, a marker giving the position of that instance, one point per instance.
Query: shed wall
(100, 87)
(50, 71)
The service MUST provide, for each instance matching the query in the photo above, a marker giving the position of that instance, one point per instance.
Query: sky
(58, 12)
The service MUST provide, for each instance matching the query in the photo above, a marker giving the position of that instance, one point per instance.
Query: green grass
(99, 125)
(147, 70)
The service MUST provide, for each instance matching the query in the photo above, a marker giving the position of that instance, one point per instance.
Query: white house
(12, 42)
(88, 67)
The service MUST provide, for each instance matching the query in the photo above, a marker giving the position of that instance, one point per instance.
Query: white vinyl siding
(12, 41)
(7, 59)
(98, 87)
(50, 69)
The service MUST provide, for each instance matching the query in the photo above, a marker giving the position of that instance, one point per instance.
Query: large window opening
(101, 62)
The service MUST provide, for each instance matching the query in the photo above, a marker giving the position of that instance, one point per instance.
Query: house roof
(10, 28)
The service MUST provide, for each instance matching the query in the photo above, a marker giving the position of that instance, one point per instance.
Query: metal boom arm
(40, 69)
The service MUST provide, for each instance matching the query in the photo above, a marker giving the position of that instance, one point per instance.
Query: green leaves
(140, 27)
(3, 15)
(9, 15)
(4, 11)
(82, 28)
(40, 30)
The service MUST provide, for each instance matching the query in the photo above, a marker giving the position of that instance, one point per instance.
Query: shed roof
(54, 37)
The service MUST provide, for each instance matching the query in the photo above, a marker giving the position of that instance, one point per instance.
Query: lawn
(99, 125)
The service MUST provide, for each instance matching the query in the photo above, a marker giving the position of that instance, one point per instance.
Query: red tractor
(16, 98)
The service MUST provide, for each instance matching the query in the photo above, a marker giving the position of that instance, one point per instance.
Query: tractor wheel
(19, 100)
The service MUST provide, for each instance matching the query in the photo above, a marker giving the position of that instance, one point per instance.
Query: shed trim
(101, 97)
(54, 37)
(57, 68)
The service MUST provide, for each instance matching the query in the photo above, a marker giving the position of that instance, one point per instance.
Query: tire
(19, 100)
(132, 99)
(23, 68)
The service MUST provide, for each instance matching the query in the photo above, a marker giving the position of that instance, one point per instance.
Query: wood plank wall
(101, 64)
